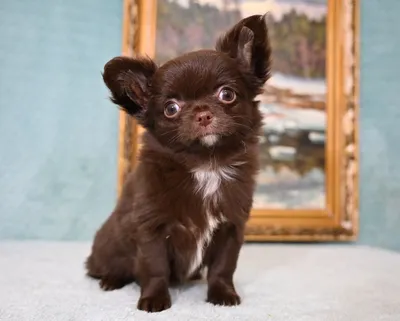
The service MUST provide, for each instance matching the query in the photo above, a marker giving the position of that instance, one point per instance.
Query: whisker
(169, 132)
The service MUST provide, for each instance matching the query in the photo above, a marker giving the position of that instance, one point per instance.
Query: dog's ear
(128, 80)
(248, 42)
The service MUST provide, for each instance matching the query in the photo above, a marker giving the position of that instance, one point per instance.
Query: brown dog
(186, 205)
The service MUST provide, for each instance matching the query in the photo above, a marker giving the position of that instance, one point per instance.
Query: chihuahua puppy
(185, 206)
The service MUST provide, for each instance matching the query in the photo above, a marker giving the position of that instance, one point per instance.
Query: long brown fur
(211, 145)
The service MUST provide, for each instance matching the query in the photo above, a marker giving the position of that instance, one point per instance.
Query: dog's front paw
(223, 295)
(154, 303)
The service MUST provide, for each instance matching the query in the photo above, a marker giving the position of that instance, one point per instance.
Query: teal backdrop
(58, 132)
(380, 123)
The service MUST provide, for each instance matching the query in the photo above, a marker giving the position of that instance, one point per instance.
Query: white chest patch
(208, 181)
(202, 242)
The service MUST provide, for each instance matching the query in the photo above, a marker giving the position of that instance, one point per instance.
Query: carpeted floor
(46, 282)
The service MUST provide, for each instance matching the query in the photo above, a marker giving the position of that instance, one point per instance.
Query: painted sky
(312, 8)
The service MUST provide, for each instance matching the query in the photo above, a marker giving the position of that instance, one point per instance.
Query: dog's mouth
(208, 136)
(209, 139)
(205, 131)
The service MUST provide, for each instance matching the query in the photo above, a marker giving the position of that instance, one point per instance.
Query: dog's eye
(226, 95)
(171, 109)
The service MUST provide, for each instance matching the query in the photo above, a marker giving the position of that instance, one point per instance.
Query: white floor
(45, 282)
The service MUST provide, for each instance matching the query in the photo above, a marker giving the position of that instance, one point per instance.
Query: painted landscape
(292, 141)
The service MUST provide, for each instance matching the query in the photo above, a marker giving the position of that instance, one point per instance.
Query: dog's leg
(154, 271)
(222, 261)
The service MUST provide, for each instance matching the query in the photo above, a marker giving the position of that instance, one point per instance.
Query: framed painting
(307, 187)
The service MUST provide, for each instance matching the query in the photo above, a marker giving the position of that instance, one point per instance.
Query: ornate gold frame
(339, 220)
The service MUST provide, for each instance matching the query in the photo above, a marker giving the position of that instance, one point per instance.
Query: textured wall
(58, 132)
(380, 123)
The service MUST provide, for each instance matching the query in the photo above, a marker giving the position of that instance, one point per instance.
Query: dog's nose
(204, 118)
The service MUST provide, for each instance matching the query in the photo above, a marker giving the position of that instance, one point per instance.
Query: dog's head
(203, 98)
